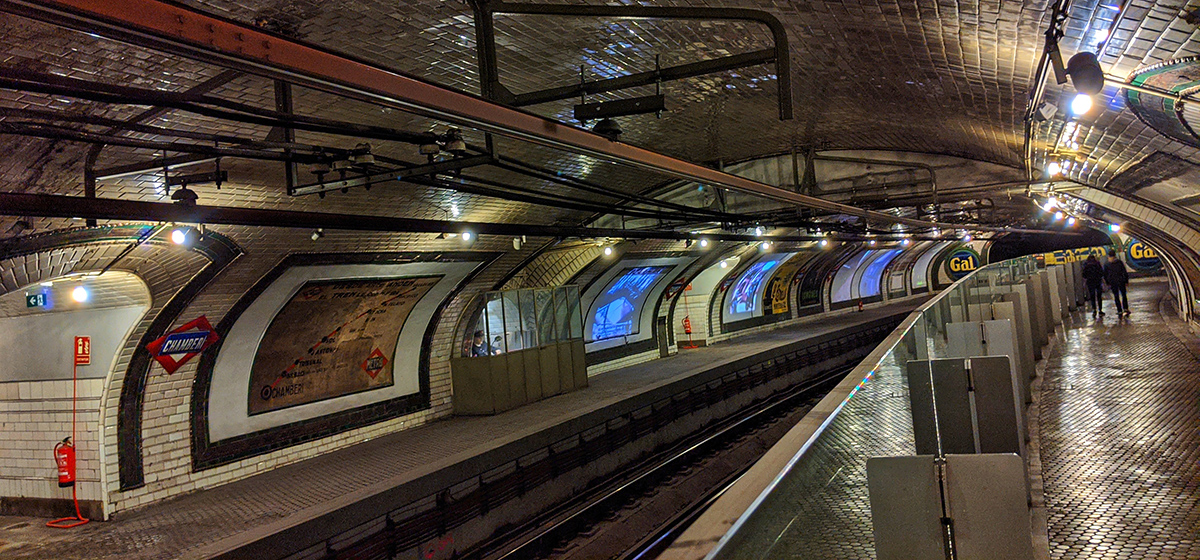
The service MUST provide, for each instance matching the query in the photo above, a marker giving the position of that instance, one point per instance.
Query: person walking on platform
(1117, 277)
(1093, 273)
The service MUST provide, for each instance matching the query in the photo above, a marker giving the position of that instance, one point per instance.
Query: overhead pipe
(185, 32)
(62, 206)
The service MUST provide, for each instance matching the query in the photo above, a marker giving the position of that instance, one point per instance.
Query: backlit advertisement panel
(617, 312)
(745, 296)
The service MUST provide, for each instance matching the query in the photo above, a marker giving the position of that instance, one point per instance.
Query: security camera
(1045, 112)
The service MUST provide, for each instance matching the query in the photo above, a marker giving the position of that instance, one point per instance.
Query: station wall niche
(315, 341)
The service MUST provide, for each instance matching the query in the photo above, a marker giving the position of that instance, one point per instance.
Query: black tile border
(207, 454)
(220, 251)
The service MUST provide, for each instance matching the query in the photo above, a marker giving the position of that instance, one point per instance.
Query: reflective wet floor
(1120, 439)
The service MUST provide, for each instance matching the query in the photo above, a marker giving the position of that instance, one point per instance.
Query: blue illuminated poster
(619, 308)
(744, 297)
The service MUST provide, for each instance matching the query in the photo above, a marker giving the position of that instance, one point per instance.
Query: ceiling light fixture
(184, 236)
(608, 251)
(80, 294)
(1081, 104)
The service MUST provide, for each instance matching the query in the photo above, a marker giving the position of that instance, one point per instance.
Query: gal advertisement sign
(1141, 256)
(961, 262)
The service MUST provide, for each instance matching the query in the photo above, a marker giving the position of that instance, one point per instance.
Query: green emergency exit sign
(35, 300)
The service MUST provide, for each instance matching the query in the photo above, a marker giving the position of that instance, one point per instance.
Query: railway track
(637, 514)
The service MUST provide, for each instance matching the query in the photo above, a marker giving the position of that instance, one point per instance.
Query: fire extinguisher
(64, 455)
(687, 325)
(860, 306)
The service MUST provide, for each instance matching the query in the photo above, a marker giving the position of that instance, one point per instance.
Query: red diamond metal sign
(190, 340)
(374, 363)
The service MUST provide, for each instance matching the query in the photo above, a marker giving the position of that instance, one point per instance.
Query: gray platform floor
(1120, 435)
(204, 522)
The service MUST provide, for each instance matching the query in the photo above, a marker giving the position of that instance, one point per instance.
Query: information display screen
(745, 298)
(618, 310)
(872, 277)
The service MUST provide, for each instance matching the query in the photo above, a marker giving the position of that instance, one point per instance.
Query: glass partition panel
(544, 324)
(819, 508)
(574, 312)
(518, 319)
(562, 321)
(494, 313)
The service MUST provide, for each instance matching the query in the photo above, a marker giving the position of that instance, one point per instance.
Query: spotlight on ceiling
(1081, 104)
(184, 236)
(1071, 221)
(361, 154)
(1058, 216)
(608, 251)
(871, 243)
(1053, 169)
(967, 238)
(608, 128)
(824, 243)
(317, 234)
(184, 196)
(1085, 72)
(1114, 228)
(704, 243)
(455, 143)
(759, 231)
(905, 242)
(1051, 203)
(765, 245)
(724, 264)
(80, 294)
(468, 236)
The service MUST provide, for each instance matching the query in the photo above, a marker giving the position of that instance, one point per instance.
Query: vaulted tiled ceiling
(946, 78)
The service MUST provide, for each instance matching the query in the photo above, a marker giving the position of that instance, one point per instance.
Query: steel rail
(179, 30)
(589, 508)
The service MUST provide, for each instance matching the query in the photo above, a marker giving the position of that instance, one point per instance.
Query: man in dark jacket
(1093, 273)
(1116, 276)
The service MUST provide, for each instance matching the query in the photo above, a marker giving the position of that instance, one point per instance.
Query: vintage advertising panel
(333, 338)
(775, 297)
(327, 338)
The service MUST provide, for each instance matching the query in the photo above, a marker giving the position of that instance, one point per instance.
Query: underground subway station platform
(585, 279)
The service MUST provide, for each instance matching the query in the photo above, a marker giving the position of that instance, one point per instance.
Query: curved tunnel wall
(175, 442)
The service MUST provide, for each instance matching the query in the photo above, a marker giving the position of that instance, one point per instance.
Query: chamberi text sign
(187, 342)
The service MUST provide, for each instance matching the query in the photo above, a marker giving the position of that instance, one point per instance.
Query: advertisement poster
(776, 295)
(619, 308)
(333, 338)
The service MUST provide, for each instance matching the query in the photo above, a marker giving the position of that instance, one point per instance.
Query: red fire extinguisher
(64, 455)
(687, 325)
(860, 306)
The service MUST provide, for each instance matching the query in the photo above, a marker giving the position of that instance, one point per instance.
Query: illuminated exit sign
(35, 300)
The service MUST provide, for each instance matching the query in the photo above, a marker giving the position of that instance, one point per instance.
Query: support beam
(178, 30)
